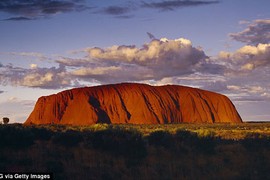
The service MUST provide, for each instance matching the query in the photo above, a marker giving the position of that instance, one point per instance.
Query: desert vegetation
(5, 120)
(173, 151)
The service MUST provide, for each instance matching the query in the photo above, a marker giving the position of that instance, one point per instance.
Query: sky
(47, 46)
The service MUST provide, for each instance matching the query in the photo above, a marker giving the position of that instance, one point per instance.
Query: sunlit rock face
(135, 104)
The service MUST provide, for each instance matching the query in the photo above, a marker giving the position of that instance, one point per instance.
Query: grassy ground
(223, 130)
(174, 151)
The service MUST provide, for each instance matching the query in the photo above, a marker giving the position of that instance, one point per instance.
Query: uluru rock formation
(135, 104)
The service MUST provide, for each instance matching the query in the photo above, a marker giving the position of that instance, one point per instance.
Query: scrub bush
(119, 141)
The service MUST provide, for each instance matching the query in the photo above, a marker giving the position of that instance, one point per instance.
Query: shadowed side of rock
(135, 104)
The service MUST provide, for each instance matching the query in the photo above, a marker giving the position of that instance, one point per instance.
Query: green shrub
(68, 138)
(160, 138)
(41, 133)
(182, 135)
(205, 143)
(16, 136)
(99, 127)
(255, 135)
(119, 141)
(5, 120)
(205, 133)
(254, 141)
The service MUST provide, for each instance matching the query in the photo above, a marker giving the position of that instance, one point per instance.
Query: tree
(5, 120)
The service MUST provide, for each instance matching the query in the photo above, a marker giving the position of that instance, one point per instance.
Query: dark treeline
(109, 152)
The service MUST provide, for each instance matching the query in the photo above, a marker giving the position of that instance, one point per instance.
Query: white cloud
(33, 66)
(36, 79)
(163, 58)
(47, 78)
(246, 72)
(248, 66)
(254, 50)
(233, 87)
(95, 71)
(266, 95)
(247, 57)
(249, 88)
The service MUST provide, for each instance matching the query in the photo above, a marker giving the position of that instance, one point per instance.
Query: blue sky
(219, 45)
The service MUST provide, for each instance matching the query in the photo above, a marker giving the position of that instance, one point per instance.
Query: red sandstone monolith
(135, 104)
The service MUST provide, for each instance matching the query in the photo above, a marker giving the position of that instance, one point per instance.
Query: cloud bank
(24, 10)
(162, 57)
(115, 10)
(248, 57)
(155, 60)
(33, 9)
(243, 74)
(124, 10)
(161, 61)
(174, 4)
(47, 78)
(256, 32)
